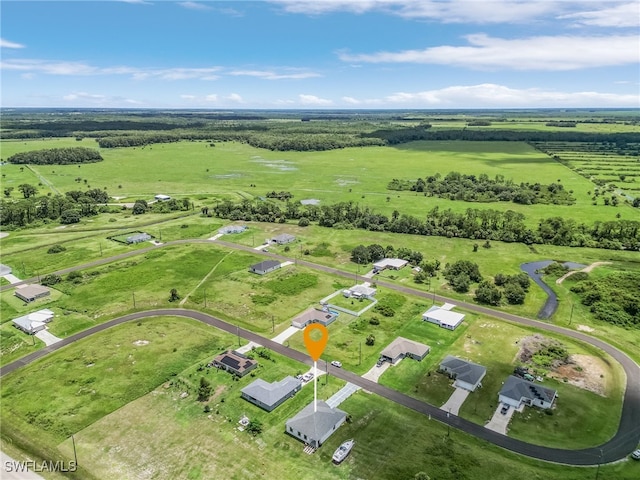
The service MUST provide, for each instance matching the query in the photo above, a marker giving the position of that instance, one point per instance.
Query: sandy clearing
(586, 269)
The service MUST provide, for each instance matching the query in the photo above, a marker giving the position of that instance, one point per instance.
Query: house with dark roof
(265, 267)
(403, 347)
(518, 392)
(467, 375)
(34, 321)
(315, 427)
(234, 362)
(268, 396)
(283, 239)
(314, 315)
(32, 292)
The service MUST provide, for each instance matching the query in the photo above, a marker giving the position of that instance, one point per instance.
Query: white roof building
(443, 316)
(392, 263)
(363, 290)
(34, 321)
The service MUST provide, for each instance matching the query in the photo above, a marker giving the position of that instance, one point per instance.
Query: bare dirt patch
(585, 328)
(586, 269)
(583, 371)
(140, 343)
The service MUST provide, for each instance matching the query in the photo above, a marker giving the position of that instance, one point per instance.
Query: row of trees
(67, 208)
(374, 252)
(485, 224)
(57, 156)
(472, 188)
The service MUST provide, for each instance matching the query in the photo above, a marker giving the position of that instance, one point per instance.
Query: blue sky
(324, 54)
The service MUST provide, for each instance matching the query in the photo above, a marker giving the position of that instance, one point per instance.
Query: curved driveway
(621, 444)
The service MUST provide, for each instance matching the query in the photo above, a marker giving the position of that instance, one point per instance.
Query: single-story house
(467, 375)
(139, 237)
(264, 267)
(391, 263)
(443, 316)
(234, 362)
(283, 239)
(270, 395)
(32, 292)
(324, 317)
(232, 229)
(403, 347)
(517, 391)
(364, 290)
(314, 427)
(162, 198)
(34, 321)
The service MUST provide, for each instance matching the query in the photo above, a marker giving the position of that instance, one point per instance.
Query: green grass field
(198, 171)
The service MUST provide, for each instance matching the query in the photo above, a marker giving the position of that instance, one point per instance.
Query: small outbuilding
(32, 292)
(283, 239)
(390, 263)
(268, 396)
(139, 238)
(443, 316)
(229, 229)
(162, 198)
(518, 392)
(403, 347)
(34, 321)
(234, 362)
(364, 290)
(314, 315)
(315, 427)
(265, 267)
(467, 375)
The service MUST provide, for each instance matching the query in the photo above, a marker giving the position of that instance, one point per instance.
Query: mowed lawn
(195, 169)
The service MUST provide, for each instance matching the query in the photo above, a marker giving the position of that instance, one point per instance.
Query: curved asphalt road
(621, 444)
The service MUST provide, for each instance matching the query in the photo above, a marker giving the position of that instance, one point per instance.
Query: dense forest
(472, 188)
(473, 223)
(57, 156)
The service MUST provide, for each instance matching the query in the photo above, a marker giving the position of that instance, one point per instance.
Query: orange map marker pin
(315, 347)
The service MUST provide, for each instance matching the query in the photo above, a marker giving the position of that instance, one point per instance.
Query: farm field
(359, 175)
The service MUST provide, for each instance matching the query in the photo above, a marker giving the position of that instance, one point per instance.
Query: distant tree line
(472, 188)
(561, 123)
(57, 156)
(284, 196)
(486, 224)
(372, 253)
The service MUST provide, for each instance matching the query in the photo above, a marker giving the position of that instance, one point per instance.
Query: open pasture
(232, 170)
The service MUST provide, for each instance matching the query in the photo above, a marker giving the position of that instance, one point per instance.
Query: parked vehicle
(504, 409)
(307, 377)
(343, 450)
(636, 455)
(336, 364)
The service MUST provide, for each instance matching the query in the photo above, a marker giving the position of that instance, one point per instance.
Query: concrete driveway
(342, 394)
(375, 372)
(47, 337)
(455, 401)
(499, 422)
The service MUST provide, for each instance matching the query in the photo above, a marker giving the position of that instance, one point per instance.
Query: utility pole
(100, 248)
(360, 363)
(133, 294)
(599, 463)
(75, 455)
(273, 324)
(238, 330)
(448, 426)
(205, 298)
(571, 315)
(326, 371)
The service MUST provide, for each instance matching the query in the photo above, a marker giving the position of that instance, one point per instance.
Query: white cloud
(83, 96)
(178, 74)
(7, 44)
(234, 97)
(453, 11)
(489, 95)
(194, 5)
(622, 15)
(534, 53)
(270, 75)
(211, 98)
(137, 2)
(351, 100)
(188, 97)
(313, 100)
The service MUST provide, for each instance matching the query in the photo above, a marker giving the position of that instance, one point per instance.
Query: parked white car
(336, 364)
(636, 455)
(307, 377)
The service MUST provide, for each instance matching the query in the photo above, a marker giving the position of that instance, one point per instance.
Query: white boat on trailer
(343, 450)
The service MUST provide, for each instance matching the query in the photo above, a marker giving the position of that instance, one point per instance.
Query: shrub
(50, 279)
(370, 340)
(374, 321)
(56, 249)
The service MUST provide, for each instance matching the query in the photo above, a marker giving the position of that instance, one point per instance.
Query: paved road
(619, 446)
(624, 441)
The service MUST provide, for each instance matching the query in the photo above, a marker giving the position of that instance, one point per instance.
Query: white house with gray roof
(34, 321)
(391, 263)
(467, 375)
(315, 427)
(443, 316)
(518, 392)
(268, 396)
(265, 267)
(283, 239)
